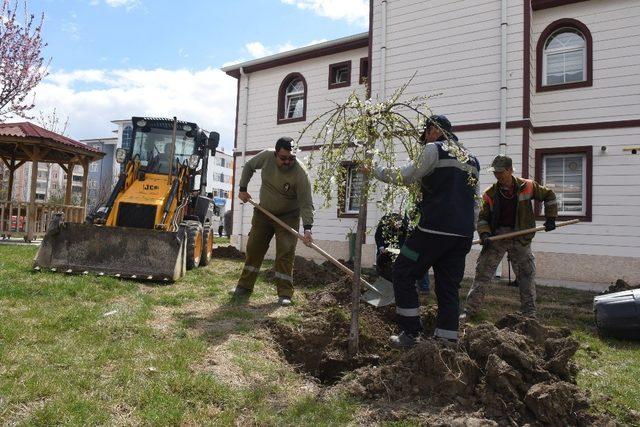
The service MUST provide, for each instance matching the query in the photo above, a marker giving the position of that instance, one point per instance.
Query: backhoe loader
(157, 222)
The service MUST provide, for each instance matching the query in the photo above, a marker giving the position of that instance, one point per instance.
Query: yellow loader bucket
(116, 251)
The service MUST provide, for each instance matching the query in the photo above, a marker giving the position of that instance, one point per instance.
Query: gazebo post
(67, 195)
(31, 224)
(85, 174)
(12, 169)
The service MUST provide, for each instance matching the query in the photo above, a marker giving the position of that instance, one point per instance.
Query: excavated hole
(516, 371)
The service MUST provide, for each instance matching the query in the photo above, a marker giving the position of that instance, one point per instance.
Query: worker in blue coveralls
(444, 234)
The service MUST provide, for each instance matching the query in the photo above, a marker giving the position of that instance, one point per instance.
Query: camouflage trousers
(262, 231)
(524, 266)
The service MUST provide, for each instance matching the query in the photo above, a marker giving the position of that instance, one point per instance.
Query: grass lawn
(89, 350)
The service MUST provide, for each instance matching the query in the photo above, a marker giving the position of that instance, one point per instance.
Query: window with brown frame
(292, 99)
(364, 70)
(568, 172)
(349, 193)
(340, 75)
(564, 56)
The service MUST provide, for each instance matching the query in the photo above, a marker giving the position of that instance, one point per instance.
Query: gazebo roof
(17, 141)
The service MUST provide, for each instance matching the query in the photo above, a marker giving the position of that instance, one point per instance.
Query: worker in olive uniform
(286, 193)
(443, 235)
(507, 207)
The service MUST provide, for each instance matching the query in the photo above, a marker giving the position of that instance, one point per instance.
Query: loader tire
(194, 244)
(207, 246)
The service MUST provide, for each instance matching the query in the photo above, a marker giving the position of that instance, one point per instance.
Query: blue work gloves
(550, 224)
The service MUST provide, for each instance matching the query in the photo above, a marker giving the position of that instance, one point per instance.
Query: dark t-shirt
(507, 204)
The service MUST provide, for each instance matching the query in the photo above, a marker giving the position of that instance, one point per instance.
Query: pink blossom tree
(22, 66)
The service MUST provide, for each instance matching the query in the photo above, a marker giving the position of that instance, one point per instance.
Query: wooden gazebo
(25, 142)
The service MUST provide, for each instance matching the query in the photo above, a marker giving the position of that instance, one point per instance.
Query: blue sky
(112, 59)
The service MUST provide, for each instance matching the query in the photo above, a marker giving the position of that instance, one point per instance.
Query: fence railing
(15, 218)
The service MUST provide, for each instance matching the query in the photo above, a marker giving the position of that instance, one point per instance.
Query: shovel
(527, 231)
(379, 294)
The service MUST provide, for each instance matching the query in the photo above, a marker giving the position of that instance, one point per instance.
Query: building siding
(261, 130)
(452, 50)
(615, 94)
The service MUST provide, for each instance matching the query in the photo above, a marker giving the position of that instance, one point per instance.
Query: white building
(552, 83)
(220, 178)
(50, 183)
(104, 173)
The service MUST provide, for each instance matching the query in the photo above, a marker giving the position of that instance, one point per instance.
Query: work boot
(284, 301)
(403, 340)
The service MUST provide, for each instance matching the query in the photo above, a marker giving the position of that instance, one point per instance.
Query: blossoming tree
(22, 66)
(366, 133)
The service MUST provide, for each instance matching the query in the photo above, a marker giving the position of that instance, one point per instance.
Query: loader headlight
(193, 161)
(121, 154)
(141, 123)
(186, 128)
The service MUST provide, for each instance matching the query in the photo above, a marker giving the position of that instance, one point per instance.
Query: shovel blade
(380, 294)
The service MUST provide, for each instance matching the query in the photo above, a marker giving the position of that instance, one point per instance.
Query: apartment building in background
(103, 174)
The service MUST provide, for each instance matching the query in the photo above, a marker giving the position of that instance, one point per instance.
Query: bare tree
(102, 193)
(53, 122)
(22, 66)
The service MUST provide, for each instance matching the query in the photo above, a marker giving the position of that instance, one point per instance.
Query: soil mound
(307, 273)
(331, 266)
(619, 286)
(228, 252)
(516, 371)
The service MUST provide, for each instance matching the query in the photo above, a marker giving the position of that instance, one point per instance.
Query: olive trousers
(262, 231)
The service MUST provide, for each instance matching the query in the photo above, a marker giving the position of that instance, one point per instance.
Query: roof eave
(321, 49)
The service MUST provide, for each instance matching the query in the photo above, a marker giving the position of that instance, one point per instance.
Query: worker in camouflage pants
(286, 193)
(506, 207)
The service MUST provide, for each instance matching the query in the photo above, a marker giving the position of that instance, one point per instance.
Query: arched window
(292, 99)
(565, 58)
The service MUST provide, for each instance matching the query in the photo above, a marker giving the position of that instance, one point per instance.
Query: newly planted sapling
(362, 133)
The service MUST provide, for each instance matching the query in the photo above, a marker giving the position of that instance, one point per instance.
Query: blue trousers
(446, 254)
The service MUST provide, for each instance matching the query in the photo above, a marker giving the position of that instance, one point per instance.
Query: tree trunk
(354, 333)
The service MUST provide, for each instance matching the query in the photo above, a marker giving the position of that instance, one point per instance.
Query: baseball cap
(501, 163)
(440, 121)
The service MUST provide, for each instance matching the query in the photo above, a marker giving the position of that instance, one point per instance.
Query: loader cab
(152, 144)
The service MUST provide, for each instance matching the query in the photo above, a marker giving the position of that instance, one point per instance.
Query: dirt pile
(228, 252)
(619, 286)
(514, 372)
(307, 273)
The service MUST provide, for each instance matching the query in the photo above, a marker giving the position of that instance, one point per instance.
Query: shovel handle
(313, 246)
(527, 231)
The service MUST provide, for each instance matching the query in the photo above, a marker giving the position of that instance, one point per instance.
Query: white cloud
(258, 50)
(352, 11)
(126, 3)
(93, 98)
